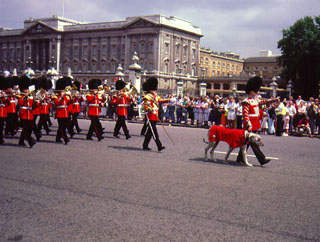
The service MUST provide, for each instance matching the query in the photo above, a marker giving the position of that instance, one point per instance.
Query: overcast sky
(242, 26)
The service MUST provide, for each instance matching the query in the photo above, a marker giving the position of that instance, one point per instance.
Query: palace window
(94, 50)
(185, 50)
(166, 67)
(75, 51)
(166, 48)
(178, 50)
(104, 50)
(216, 86)
(193, 53)
(85, 50)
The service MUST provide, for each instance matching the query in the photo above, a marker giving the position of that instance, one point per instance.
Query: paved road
(114, 191)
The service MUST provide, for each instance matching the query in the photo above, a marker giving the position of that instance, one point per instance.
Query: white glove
(154, 111)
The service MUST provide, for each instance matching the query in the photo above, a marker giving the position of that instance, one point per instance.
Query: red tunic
(61, 106)
(3, 108)
(12, 105)
(151, 105)
(234, 137)
(251, 112)
(26, 104)
(122, 100)
(76, 104)
(94, 103)
(36, 110)
(44, 106)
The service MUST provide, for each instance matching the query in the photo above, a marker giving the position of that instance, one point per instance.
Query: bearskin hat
(150, 84)
(144, 87)
(61, 84)
(36, 83)
(68, 81)
(94, 83)
(76, 85)
(3, 83)
(12, 81)
(254, 84)
(24, 82)
(120, 85)
(45, 83)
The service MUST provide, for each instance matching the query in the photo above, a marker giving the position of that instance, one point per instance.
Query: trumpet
(132, 91)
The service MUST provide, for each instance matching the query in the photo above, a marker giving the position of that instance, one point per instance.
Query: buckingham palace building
(168, 48)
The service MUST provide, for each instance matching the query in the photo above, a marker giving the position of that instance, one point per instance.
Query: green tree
(300, 59)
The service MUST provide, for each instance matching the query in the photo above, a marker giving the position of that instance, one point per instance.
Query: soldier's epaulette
(148, 97)
(245, 102)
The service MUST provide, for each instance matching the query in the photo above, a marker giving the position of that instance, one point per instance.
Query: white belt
(253, 115)
(44, 104)
(62, 106)
(93, 105)
(28, 108)
(76, 104)
(12, 101)
(122, 105)
(2, 105)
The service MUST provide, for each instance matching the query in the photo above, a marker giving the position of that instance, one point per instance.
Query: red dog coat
(234, 137)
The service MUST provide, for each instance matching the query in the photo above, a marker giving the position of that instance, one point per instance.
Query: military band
(32, 99)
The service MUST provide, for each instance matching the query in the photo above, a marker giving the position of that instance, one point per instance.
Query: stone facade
(168, 48)
(264, 66)
(213, 64)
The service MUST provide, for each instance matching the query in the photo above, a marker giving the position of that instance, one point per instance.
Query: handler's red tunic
(234, 137)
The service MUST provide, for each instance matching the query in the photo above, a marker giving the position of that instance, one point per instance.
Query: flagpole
(62, 8)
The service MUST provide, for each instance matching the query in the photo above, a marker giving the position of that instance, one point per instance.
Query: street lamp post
(274, 85)
(289, 87)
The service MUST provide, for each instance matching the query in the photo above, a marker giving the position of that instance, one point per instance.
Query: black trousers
(43, 122)
(96, 127)
(61, 132)
(75, 122)
(27, 128)
(257, 152)
(69, 125)
(144, 127)
(11, 123)
(152, 132)
(35, 129)
(2, 120)
(279, 127)
(121, 123)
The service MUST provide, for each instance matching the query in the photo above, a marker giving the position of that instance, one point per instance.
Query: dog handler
(151, 106)
(250, 114)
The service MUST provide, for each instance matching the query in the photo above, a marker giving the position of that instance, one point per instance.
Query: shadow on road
(217, 161)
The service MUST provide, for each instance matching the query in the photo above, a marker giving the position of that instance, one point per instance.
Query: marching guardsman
(76, 100)
(121, 100)
(36, 109)
(250, 114)
(12, 119)
(3, 106)
(45, 85)
(151, 105)
(26, 103)
(61, 102)
(94, 101)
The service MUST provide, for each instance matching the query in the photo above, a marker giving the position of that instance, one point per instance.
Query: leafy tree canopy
(300, 59)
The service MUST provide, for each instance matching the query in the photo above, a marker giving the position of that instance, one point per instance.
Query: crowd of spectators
(289, 117)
